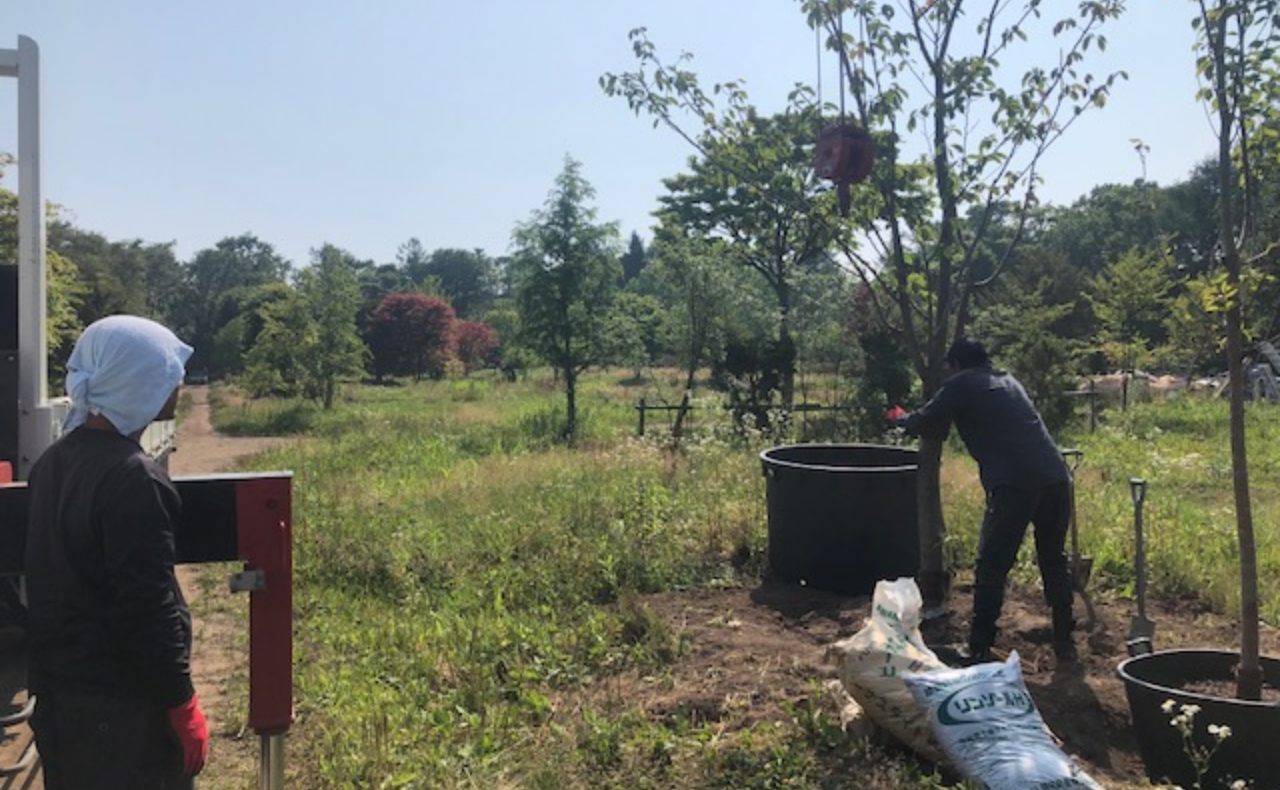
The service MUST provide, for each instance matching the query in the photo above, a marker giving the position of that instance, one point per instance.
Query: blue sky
(364, 124)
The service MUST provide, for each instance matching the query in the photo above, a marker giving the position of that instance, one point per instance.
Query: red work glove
(895, 414)
(189, 723)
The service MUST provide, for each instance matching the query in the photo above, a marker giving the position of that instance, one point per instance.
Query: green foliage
(1182, 449)
(1115, 219)
(686, 276)
(1130, 298)
(566, 280)
(275, 364)
(330, 289)
(213, 290)
(308, 338)
(634, 259)
(467, 278)
(752, 184)
(65, 291)
(234, 339)
(972, 183)
(752, 372)
(635, 322)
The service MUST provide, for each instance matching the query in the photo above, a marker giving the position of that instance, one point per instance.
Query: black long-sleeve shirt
(999, 426)
(106, 613)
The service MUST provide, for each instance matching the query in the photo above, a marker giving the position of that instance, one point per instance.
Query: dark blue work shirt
(999, 426)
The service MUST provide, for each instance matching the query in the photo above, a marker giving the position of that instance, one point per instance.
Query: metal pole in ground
(271, 767)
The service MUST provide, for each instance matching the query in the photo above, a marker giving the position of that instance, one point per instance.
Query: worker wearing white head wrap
(108, 630)
(124, 368)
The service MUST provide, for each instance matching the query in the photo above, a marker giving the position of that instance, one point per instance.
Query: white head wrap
(124, 368)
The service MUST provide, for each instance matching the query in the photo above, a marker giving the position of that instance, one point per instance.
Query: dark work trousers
(90, 742)
(1009, 510)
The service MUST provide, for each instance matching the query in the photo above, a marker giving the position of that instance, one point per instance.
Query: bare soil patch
(759, 650)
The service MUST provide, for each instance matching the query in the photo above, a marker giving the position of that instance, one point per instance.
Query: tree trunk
(933, 577)
(1249, 674)
(571, 405)
(328, 393)
(788, 348)
(677, 430)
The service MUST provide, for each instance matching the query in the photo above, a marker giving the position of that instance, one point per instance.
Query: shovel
(1081, 565)
(1141, 629)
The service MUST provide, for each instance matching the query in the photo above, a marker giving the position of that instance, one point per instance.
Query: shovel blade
(1141, 631)
(1081, 569)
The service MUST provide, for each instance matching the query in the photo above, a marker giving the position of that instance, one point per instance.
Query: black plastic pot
(841, 516)
(1249, 753)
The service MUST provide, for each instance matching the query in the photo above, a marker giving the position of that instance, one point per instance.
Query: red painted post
(264, 521)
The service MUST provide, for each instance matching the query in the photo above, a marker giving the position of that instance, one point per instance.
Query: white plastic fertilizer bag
(985, 720)
(872, 661)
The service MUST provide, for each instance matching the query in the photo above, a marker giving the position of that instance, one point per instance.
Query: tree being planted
(1236, 58)
(927, 77)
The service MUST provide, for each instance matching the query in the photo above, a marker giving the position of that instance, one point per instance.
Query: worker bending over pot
(1025, 479)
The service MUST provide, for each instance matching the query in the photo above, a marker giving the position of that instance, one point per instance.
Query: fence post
(640, 425)
(1093, 405)
(678, 429)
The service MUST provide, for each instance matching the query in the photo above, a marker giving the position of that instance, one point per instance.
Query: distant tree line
(744, 276)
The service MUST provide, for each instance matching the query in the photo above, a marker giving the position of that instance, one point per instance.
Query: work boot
(1065, 651)
(967, 656)
(978, 648)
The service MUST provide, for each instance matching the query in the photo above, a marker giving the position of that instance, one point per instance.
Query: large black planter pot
(1252, 751)
(841, 516)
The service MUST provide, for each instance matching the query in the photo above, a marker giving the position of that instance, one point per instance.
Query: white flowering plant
(1200, 755)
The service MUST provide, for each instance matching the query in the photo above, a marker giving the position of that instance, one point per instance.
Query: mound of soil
(756, 650)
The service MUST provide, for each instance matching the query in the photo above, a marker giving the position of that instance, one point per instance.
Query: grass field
(457, 567)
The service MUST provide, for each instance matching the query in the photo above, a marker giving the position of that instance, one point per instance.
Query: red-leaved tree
(474, 344)
(410, 334)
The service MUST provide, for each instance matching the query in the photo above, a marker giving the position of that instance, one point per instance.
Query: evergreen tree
(566, 278)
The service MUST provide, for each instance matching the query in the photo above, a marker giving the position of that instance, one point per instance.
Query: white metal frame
(39, 418)
(36, 416)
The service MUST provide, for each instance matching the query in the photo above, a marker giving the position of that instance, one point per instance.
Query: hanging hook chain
(844, 63)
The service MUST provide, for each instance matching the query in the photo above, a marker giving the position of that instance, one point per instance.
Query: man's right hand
(895, 414)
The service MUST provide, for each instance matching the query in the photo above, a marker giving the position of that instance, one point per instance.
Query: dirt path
(220, 651)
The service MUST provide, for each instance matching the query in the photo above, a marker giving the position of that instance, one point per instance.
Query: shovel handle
(1073, 456)
(1137, 489)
